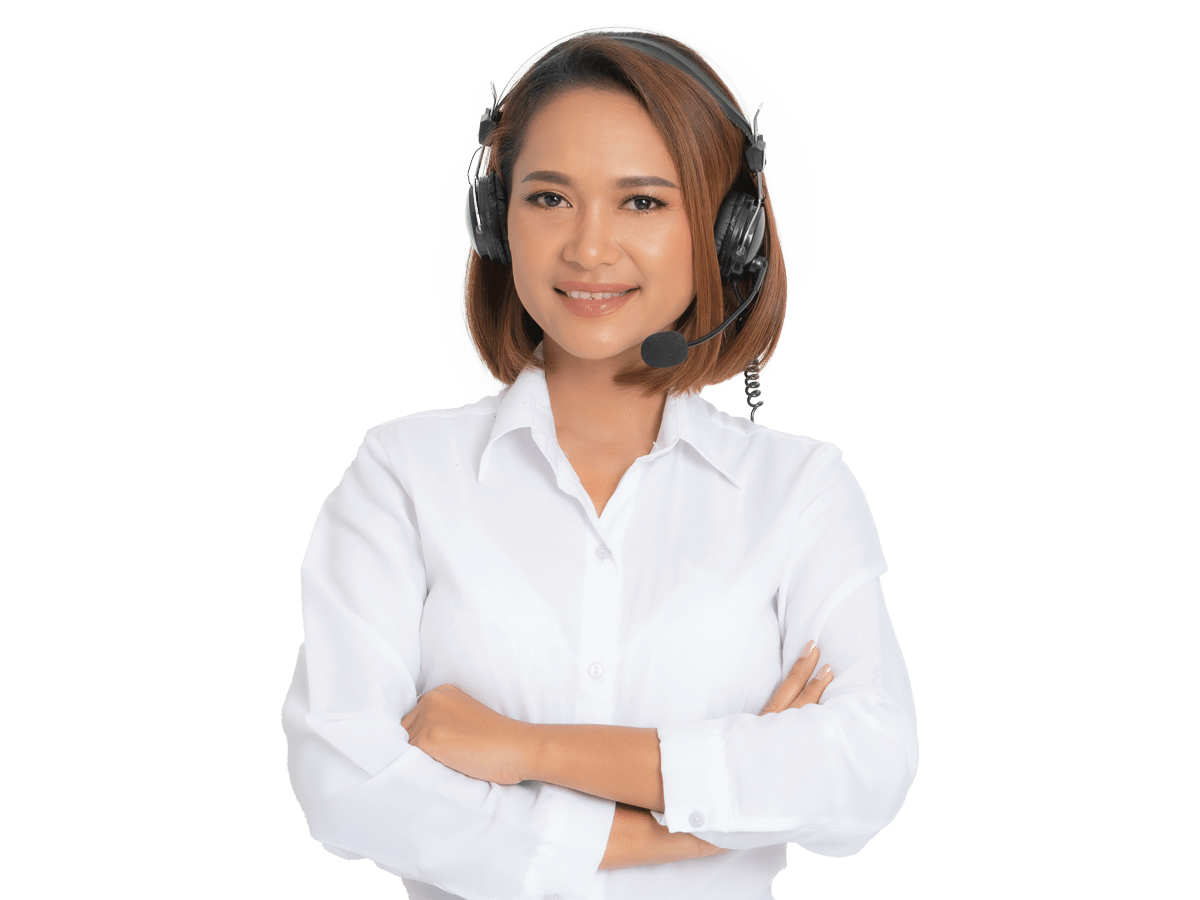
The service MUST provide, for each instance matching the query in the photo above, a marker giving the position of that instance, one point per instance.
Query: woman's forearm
(636, 839)
(611, 761)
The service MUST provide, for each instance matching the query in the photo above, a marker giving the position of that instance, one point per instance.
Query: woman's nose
(592, 242)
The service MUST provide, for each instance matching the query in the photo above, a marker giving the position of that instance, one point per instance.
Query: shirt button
(595, 670)
(603, 552)
(696, 818)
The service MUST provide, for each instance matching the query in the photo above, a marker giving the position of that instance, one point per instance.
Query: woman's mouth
(590, 304)
(592, 295)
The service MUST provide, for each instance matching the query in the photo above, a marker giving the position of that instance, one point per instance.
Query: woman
(563, 641)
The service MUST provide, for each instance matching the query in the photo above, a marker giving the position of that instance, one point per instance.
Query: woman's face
(596, 208)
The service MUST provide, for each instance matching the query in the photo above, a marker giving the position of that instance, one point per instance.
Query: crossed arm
(612, 761)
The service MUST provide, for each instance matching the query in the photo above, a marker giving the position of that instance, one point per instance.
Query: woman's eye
(645, 204)
(548, 199)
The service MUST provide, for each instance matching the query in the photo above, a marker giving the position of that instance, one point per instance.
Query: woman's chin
(597, 348)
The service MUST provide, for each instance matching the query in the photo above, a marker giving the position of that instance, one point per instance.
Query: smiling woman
(537, 663)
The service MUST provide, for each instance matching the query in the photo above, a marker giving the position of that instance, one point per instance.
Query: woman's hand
(797, 690)
(460, 732)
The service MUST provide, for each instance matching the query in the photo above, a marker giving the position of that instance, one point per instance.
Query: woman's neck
(592, 413)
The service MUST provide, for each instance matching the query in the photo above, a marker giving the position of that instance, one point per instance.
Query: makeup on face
(597, 227)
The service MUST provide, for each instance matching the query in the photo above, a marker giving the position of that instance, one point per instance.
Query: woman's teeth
(584, 295)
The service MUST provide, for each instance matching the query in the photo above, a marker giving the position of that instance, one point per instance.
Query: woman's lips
(594, 287)
(590, 309)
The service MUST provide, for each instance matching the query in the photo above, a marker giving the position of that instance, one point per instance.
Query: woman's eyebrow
(630, 181)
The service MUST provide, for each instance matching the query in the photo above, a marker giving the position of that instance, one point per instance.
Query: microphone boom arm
(669, 348)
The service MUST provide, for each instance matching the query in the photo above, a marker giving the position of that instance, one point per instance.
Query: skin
(591, 229)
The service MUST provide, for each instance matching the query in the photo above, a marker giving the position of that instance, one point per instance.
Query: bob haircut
(707, 150)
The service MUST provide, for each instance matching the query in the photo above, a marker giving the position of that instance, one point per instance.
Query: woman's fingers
(813, 690)
(795, 681)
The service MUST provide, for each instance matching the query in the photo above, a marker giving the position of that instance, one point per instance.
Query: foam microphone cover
(664, 349)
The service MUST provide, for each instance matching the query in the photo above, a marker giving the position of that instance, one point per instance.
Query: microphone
(665, 349)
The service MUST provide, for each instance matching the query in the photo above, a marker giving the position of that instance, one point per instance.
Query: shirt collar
(526, 404)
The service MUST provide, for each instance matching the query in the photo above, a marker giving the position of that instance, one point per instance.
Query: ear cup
(492, 242)
(738, 220)
(498, 217)
(477, 239)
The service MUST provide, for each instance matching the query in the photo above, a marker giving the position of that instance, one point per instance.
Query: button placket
(596, 669)
(601, 589)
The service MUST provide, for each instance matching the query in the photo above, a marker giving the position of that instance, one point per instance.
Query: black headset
(738, 231)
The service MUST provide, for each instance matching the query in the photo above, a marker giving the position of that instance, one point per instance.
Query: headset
(738, 231)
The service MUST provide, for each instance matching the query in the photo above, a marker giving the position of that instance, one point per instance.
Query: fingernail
(808, 649)
(825, 670)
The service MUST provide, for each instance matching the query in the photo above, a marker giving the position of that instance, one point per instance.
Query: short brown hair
(707, 150)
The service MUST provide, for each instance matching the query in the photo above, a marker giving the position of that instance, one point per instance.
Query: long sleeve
(827, 776)
(367, 792)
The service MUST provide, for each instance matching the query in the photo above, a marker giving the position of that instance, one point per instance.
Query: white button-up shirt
(462, 548)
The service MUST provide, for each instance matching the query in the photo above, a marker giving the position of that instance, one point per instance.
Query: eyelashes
(533, 199)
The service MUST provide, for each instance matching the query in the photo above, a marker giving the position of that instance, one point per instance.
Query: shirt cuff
(695, 777)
